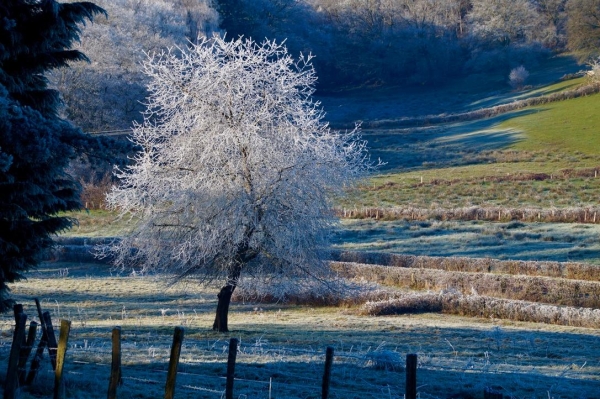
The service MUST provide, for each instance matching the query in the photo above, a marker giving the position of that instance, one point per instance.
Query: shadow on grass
(442, 145)
(529, 241)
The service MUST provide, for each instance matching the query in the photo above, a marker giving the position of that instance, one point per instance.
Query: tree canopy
(237, 168)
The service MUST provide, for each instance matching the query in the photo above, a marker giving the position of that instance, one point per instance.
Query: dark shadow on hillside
(443, 145)
(461, 95)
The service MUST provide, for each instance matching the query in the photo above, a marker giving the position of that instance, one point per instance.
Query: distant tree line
(357, 43)
(375, 42)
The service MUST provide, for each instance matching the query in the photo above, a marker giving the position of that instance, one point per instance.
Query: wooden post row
(12, 373)
(233, 347)
(174, 363)
(115, 368)
(411, 376)
(327, 373)
(59, 382)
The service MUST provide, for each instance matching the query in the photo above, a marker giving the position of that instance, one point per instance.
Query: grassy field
(535, 159)
(284, 345)
(538, 158)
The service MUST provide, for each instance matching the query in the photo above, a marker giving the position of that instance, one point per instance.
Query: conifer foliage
(35, 144)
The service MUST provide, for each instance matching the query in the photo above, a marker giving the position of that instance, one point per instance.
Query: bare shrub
(411, 303)
(517, 77)
(340, 292)
(93, 191)
(593, 74)
(384, 360)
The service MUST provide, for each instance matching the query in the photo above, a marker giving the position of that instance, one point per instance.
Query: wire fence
(268, 370)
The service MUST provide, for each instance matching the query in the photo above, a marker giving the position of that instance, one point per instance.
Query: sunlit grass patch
(567, 126)
(98, 223)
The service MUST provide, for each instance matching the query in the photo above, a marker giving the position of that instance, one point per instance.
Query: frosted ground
(514, 240)
(282, 348)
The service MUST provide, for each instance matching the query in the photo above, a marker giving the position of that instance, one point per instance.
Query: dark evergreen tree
(36, 145)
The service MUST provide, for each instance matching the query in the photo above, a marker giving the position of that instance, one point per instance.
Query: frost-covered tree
(237, 168)
(583, 28)
(35, 144)
(553, 15)
(504, 22)
(107, 93)
(518, 76)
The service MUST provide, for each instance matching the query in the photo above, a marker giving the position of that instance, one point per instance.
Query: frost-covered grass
(285, 345)
(512, 240)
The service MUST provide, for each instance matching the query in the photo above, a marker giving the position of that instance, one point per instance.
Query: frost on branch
(237, 167)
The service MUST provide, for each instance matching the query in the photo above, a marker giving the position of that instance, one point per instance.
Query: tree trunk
(224, 296)
(243, 256)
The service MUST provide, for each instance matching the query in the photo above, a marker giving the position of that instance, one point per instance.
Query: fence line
(252, 349)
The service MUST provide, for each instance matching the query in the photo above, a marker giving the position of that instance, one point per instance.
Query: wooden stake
(52, 345)
(327, 373)
(59, 382)
(12, 378)
(37, 359)
(411, 376)
(26, 351)
(115, 369)
(174, 363)
(233, 346)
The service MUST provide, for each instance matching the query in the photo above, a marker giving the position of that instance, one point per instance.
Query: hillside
(453, 189)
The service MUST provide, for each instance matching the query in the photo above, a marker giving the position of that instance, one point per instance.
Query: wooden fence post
(12, 379)
(327, 373)
(26, 351)
(233, 347)
(18, 309)
(52, 344)
(39, 353)
(115, 368)
(174, 363)
(411, 376)
(37, 359)
(59, 382)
